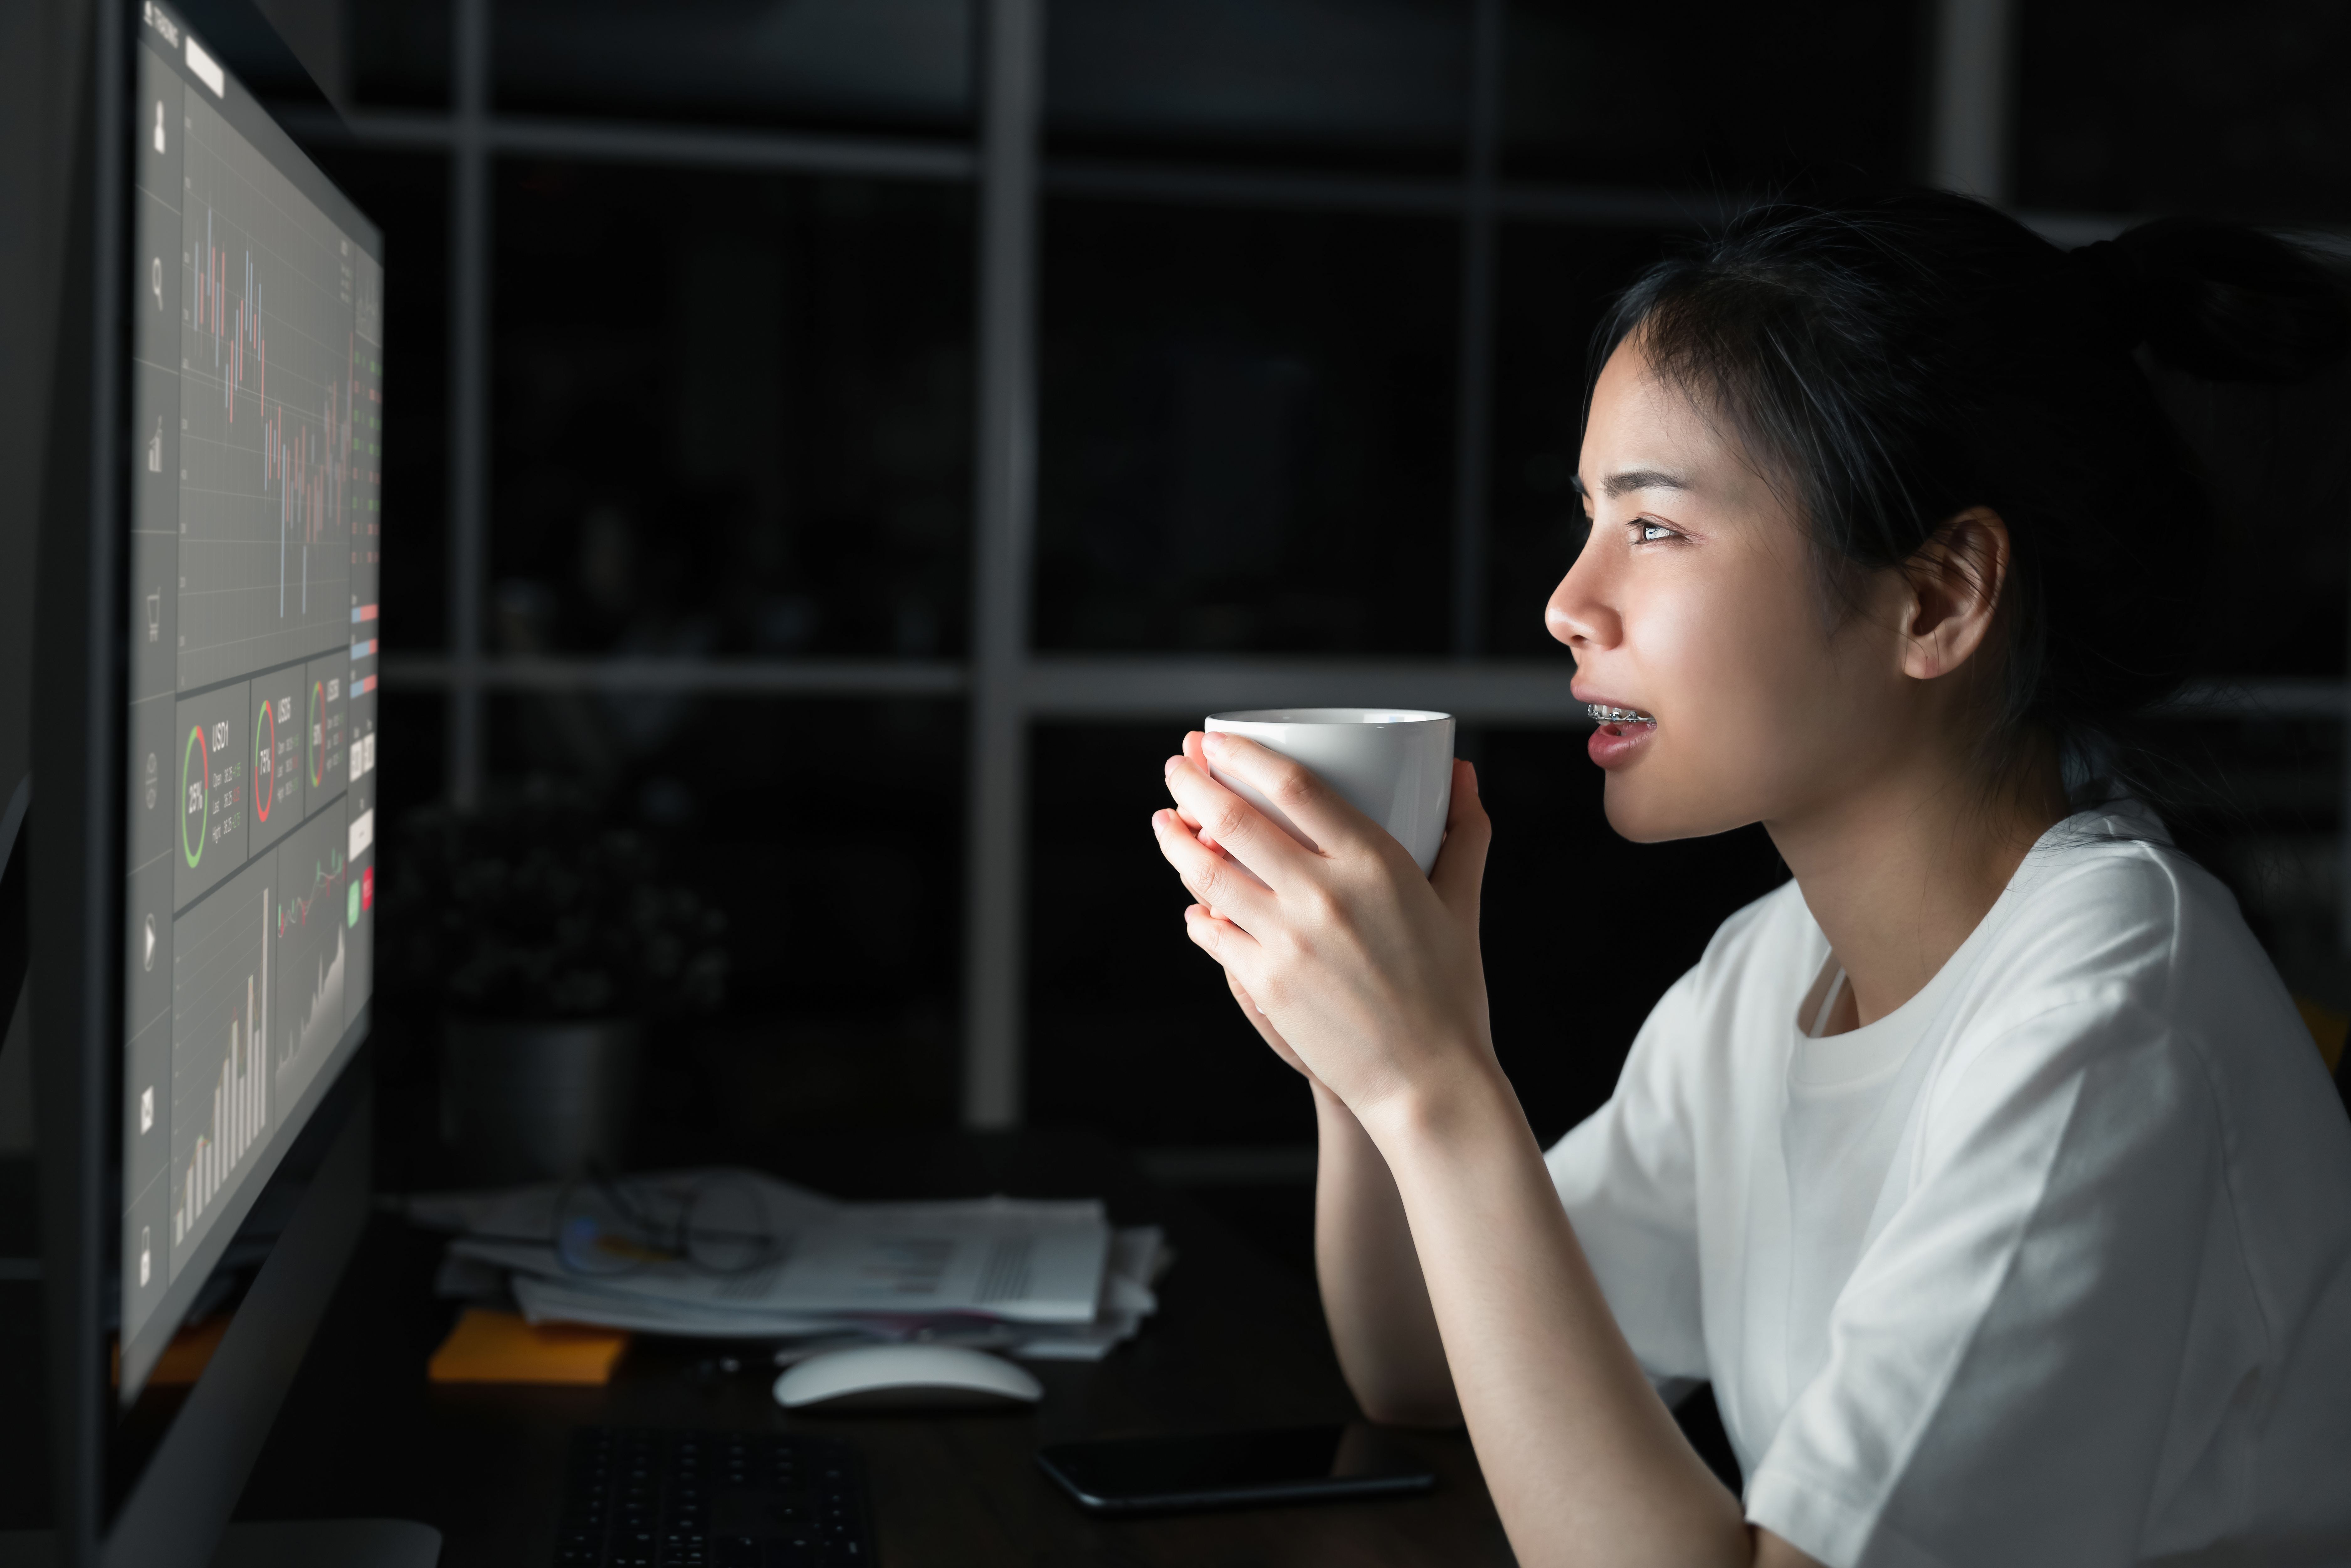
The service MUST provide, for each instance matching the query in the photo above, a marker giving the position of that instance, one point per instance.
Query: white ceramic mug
(1393, 764)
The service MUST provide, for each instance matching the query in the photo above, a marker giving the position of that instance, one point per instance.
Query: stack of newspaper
(738, 1255)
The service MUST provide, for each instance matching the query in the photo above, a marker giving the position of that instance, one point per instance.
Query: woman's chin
(1644, 812)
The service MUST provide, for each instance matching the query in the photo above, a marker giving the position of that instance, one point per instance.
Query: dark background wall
(730, 412)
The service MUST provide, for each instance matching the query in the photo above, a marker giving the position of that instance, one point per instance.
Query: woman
(1985, 1170)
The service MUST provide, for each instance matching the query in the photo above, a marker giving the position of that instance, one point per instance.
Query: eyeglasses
(716, 1224)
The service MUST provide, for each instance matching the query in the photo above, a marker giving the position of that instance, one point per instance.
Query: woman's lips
(1614, 744)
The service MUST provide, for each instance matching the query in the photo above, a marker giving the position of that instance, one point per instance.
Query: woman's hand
(1264, 1025)
(1355, 968)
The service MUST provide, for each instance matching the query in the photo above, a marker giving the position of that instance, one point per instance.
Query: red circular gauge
(265, 763)
(318, 733)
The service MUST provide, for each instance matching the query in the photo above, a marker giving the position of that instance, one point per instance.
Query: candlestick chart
(272, 370)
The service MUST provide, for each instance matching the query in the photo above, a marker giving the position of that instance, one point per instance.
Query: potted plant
(545, 939)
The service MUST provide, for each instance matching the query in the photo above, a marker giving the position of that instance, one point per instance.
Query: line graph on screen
(310, 941)
(271, 373)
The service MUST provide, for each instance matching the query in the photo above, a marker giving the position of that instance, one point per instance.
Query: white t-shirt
(2050, 1265)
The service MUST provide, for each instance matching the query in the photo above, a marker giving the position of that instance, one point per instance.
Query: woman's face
(1695, 601)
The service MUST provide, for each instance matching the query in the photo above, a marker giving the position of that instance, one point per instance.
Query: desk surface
(1238, 1341)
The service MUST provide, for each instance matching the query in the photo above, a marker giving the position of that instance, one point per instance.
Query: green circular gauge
(196, 794)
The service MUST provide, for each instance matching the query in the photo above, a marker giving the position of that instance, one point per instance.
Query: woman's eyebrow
(1633, 479)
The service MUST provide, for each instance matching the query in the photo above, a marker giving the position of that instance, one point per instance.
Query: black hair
(1895, 357)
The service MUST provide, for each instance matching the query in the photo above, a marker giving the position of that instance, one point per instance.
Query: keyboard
(712, 1499)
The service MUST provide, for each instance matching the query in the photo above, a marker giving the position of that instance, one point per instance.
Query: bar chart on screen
(240, 1114)
(272, 375)
(223, 1102)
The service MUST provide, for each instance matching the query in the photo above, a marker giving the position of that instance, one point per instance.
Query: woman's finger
(1227, 822)
(1315, 812)
(1460, 869)
(1217, 935)
(1209, 876)
(1199, 755)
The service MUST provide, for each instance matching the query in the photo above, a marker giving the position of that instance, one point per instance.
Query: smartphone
(1234, 1469)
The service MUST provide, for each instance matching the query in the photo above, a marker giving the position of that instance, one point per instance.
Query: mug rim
(1389, 716)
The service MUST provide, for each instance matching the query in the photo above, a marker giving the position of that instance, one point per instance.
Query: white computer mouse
(905, 1377)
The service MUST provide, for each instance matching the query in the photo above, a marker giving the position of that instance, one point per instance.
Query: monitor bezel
(136, 1483)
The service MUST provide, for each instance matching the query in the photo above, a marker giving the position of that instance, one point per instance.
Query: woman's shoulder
(2113, 939)
(2106, 900)
(2127, 965)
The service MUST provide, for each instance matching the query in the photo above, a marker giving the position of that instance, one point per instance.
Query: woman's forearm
(1584, 1462)
(1373, 1294)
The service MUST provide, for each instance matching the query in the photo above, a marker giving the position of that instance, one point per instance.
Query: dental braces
(1603, 714)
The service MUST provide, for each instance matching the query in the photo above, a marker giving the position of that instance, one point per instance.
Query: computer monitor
(206, 746)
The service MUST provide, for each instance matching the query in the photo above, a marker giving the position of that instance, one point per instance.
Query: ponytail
(2217, 301)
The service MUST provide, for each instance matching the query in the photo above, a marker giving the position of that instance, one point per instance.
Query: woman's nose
(1578, 612)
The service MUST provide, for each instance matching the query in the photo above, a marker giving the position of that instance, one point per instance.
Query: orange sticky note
(499, 1347)
(183, 1360)
(2327, 1027)
(190, 1351)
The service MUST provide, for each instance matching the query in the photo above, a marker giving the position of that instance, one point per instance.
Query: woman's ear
(1955, 582)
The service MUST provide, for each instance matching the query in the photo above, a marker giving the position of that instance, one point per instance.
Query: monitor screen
(256, 334)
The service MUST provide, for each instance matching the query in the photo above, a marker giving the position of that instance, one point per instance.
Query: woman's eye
(1651, 532)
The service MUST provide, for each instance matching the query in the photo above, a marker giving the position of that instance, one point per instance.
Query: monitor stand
(308, 1544)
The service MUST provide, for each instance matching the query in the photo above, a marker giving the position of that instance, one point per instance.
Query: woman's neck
(1899, 873)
